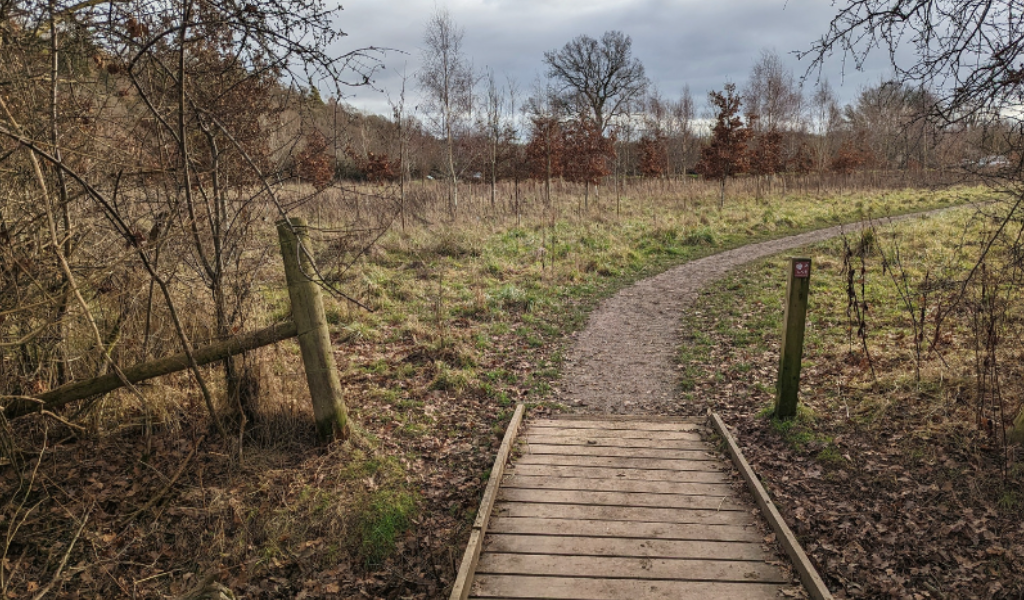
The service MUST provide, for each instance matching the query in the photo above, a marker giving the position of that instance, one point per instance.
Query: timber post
(313, 334)
(78, 390)
(788, 385)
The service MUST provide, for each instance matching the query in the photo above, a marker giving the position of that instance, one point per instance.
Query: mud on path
(623, 361)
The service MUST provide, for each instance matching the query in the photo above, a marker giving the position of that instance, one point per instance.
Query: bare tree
(772, 94)
(512, 135)
(601, 76)
(493, 110)
(969, 53)
(680, 133)
(174, 166)
(446, 80)
(402, 130)
(825, 121)
(774, 110)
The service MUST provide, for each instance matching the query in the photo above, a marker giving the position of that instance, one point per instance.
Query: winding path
(622, 362)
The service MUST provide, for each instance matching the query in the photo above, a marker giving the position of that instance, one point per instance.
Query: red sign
(802, 269)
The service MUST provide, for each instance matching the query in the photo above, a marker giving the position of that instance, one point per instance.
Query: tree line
(144, 145)
(595, 117)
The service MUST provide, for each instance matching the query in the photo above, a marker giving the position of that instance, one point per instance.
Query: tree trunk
(494, 173)
(314, 340)
(452, 175)
(547, 181)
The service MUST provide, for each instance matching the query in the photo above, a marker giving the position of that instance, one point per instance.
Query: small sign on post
(788, 385)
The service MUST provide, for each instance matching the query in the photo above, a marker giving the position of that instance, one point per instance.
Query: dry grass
(898, 456)
(468, 317)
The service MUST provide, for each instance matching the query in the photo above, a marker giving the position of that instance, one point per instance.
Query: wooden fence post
(314, 337)
(788, 385)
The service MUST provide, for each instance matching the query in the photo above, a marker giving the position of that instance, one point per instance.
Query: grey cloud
(696, 42)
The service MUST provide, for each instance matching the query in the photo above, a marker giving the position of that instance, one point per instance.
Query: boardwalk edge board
(808, 574)
(464, 580)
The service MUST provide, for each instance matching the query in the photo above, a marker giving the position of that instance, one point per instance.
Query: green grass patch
(381, 520)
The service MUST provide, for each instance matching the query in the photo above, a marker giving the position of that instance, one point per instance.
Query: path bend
(622, 362)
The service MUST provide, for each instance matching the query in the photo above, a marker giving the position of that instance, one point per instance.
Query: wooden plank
(618, 485)
(616, 433)
(629, 568)
(568, 417)
(572, 588)
(623, 513)
(464, 578)
(613, 425)
(619, 452)
(636, 548)
(467, 568)
(603, 473)
(625, 529)
(498, 470)
(808, 574)
(620, 462)
(594, 441)
(620, 499)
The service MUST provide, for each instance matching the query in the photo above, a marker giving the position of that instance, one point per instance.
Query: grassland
(467, 317)
(896, 471)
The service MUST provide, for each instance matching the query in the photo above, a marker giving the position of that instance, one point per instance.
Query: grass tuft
(383, 518)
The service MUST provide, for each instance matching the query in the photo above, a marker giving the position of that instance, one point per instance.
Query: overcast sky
(700, 43)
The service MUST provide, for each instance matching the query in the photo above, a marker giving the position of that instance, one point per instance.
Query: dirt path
(622, 362)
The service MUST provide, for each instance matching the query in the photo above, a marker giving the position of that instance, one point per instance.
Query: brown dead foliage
(277, 523)
(908, 502)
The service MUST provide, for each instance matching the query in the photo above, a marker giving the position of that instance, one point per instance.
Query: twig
(64, 561)
(63, 421)
(14, 523)
(156, 498)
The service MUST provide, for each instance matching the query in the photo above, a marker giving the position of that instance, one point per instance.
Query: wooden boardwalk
(618, 509)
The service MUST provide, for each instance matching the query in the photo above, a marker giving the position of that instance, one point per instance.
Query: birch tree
(446, 80)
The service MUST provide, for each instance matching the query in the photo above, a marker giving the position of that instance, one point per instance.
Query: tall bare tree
(772, 94)
(494, 106)
(601, 76)
(825, 121)
(680, 134)
(446, 79)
